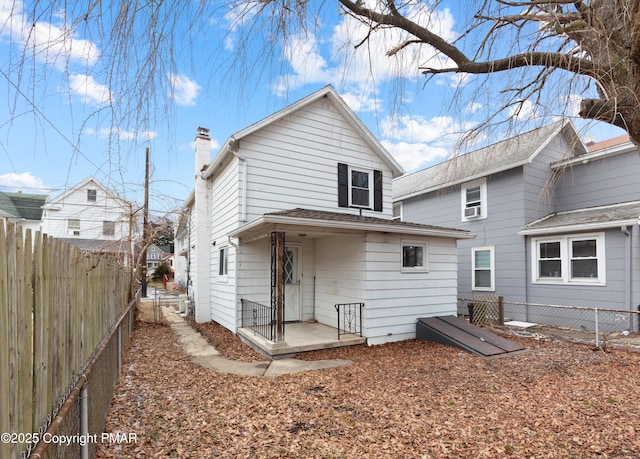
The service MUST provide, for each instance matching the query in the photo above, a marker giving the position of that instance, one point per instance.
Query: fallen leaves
(407, 399)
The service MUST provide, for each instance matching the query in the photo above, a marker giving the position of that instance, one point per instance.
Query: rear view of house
(292, 223)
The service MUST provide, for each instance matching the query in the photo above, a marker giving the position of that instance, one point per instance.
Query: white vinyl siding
(292, 163)
(573, 259)
(394, 301)
(74, 205)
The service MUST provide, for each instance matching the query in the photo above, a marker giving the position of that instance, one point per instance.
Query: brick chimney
(201, 241)
(203, 150)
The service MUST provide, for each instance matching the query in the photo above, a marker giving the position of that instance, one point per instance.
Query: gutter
(576, 227)
(351, 226)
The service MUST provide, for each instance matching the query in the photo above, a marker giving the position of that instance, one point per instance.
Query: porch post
(277, 283)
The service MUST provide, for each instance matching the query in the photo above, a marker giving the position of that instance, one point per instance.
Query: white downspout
(627, 272)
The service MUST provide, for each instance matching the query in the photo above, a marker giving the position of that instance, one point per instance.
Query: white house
(91, 217)
(294, 216)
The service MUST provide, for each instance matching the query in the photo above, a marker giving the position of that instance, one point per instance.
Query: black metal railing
(259, 318)
(349, 318)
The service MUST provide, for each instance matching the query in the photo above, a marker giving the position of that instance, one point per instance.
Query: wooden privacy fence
(56, 305)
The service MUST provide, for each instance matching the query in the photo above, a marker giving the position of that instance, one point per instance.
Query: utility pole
(145, 228)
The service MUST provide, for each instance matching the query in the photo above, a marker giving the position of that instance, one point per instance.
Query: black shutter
(343, 185)
(377, 191)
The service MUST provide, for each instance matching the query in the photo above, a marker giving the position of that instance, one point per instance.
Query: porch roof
(586, 219)
(323, 222)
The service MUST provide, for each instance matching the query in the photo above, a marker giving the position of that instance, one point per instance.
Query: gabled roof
(330, 94)
(507, 154)
(316, 220)
(600, 150)
(60, 198)
(586, 219)
(21, 205)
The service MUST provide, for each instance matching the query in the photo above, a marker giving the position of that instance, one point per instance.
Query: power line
(55, 128)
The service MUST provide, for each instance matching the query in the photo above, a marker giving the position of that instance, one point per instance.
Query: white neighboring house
(295, 214)
(91, 217)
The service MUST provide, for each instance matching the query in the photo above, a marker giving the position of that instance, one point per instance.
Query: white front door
(291, 283)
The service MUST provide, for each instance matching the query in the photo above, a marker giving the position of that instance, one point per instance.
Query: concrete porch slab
(299, 337)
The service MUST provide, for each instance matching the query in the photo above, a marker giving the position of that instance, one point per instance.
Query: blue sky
(56, 127)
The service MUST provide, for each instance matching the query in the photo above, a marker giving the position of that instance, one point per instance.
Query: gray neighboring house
(556, 221)
(156, 254)
(23, 209)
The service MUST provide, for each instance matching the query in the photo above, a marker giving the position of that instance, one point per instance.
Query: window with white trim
(473, 199)
(223, 261)
(92, 195)
(108, 228)
(483, 268)
(571, 259)
(360, 188)
(397, 211)
(73, 226)
(414, 256)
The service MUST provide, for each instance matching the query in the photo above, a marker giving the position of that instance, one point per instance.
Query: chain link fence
(487, 310)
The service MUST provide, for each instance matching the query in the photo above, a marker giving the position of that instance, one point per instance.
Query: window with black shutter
(359, 188)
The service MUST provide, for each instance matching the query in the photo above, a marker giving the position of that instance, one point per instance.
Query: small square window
(92, 195)
(108, 228)
(414, 256)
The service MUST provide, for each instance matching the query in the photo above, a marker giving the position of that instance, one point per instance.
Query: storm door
(291, 277)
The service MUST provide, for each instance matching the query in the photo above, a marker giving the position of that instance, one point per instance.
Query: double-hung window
(482, 267)
(92, 195)
(361, 189)
(73, 226)
(572, 259)
(474, 200)
(108, 228)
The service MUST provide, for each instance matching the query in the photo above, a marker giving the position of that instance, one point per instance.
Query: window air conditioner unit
(471, 212)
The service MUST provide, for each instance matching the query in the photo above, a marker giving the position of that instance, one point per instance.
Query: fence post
(597, 332)
(84, 420)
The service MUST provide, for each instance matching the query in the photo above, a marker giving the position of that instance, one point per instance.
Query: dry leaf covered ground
(403, 400)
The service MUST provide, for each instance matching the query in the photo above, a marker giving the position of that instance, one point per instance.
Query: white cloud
(23, 182)
(414, 156)
(473, 107)
(361, 69)
(88, 89)
(523, 111)
(183, 90)
(105, 133)
(415, 141)
(53, 44)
